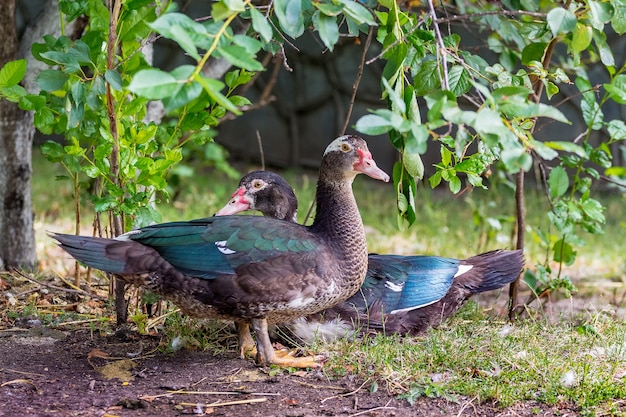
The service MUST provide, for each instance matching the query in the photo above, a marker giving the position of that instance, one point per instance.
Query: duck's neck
(338, 220)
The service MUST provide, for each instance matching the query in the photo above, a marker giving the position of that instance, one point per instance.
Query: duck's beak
(238, 203)
(367, 166)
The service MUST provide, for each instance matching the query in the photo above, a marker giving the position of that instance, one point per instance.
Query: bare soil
(48, 372)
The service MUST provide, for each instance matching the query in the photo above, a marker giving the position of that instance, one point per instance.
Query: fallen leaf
(97, 353)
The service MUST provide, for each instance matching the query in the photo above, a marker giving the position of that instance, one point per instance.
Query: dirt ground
(48, 372)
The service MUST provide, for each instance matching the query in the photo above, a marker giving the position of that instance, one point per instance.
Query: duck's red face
(367, 166)
(239, 201)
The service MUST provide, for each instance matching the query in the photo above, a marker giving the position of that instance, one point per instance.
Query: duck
(252, 270)
(406, 295)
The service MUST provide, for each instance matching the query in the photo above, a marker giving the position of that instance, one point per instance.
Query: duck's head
(348, 156)
(266, 192)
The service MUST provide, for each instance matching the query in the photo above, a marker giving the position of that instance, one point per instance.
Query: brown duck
(400, 294)
(252, 270)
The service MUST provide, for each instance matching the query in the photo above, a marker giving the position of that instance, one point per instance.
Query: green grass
(492, 360)
(472, 355)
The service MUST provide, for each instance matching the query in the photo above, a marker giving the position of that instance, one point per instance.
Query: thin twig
(21, 372)
(463, 17)
(346, 394)
(442, 47)
(221, 393)
(394, 43)
(612, 181)
(519, 189)
(357, 81)
(465, 404)
(384, 407)
(306, 384)
(260, 142)
(249, 401)
(54, 287)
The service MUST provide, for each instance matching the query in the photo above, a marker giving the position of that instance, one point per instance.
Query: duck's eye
(258, 184)
(345, 147)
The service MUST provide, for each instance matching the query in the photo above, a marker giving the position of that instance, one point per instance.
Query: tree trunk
(17, 246)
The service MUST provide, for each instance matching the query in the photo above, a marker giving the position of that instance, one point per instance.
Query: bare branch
(442, 47)
(357, 81)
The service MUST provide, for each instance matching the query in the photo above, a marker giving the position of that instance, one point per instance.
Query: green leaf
(358, 12)
(92, 171)
(154, 84)
(261, 25)
(51, 80)
(558, 182)
(179, 35)
(114, 79)
(239, 101)
(435, 179)
(551, 89)
(220, 11)
(290, 16)
(455, 185)
(398, 104)
(105, 203)
(568, 147)
(618, 21)
(581, 37)
(606, 54)
(414, 165)
(594, 210)
(12, 73)
(13, 94)
(239, 57)
(489, 121)
(414, 145)
(183, 30)
(459, 79)
(327, 28)
(617, 129)
(544, 151)
(516, 158)
(563, 252)
(372, 124)
(251, 45)
(70, 60)
(44, 120)
(601, 13)
(213, 88)
(427, 78)
(561, 21)
(617, 89)
(533, 52)
(53, 151)
(31, 102)
(329, 9)
(616, 172)
(592, 114)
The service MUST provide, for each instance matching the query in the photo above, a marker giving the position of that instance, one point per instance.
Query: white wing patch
(221, 246)
(404, 310)
(127, 235)
(463, 269)
(300, 302)
(393, 286)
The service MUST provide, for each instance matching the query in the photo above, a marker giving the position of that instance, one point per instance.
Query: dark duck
(400, 294)
(248, 269)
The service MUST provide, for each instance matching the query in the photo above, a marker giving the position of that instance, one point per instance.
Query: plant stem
(121, 308)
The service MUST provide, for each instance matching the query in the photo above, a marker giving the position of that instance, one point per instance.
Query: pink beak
(237, 203)
(367, 166)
